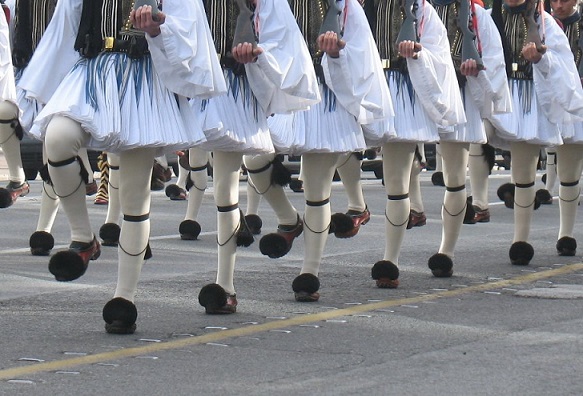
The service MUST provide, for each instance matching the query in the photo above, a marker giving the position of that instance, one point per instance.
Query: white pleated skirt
(29, 108)
(527, 122)
(472, 131)
(122, 104)
(234, 122)
(326, 127)
(572, 133)
(410, 124)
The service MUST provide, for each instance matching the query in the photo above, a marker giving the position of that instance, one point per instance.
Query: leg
(545, 195)
(479, 171)
(41, 241)
(10, 136)
(455, 161)
(109, 231)
(219, 298)
(177, 192)
(318, 173)
(189, 228)
(569, 170)
(267, 176)
(64, 138)
(437, 177)
(251, 213)
(524, 160)
(91, 185)
(417, 216)
(135, 170)
(397, 160)
(347, 225)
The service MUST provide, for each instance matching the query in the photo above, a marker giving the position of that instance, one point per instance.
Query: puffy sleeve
(283, 78)
(356, 77)
(55, 54)
(490, 88)
(7, 85)
(433, 74)
(184, 54)
(557, 82)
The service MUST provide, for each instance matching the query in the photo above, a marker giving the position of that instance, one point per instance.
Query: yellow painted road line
(20, 372)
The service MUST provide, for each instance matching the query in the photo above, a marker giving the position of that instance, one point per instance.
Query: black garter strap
(456, 189)
(230, 208)
(262, 169)
(113, 167)
(44, 174)
(524, 185)
(83, 172)
(136, 219)
(58, 164)
(15, 125)
(398, 197)
(318, 203)
(569, 184)
(198, 168)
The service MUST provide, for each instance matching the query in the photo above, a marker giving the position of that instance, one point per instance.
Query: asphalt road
(491, 329)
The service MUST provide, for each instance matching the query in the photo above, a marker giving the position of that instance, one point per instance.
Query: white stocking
(318, 172)
(64, 138)
(183, 174)
(438, 159)
(415, 187)
(10, 143)
(253, 199)
(85, 159)
(479, 172)
(274, 194)
(569, 169)
(455, 161)
(524, 160)
(197, 159)
(226, 181)
(135, 173)
(551, 169)
(397, 160)
(49, 204)
(349, 171)
(114, 206)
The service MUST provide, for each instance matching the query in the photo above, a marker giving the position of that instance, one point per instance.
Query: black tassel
(280, 175)
(489, 156)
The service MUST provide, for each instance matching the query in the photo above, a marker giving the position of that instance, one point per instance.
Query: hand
(409, 49)
(141, 19)
(469, 68)
(245, 53)
(331, 44)
(531, 53)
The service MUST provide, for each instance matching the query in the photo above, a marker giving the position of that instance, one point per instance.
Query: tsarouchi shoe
(216, 301)
(71, 264)
(120, 316)
(305, 287)
(279, 243)
(11, 192)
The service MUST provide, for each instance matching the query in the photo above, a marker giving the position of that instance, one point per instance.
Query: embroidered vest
(105, 26)
(31, 20)
(515, 30)
(388, 25)
(448, 14)
(572, 27)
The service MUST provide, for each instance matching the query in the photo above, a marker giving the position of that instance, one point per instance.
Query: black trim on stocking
(137, 219)
(524, 185)
(16, 128)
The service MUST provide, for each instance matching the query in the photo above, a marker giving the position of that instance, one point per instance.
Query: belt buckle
(108, 43)
(386, 63)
